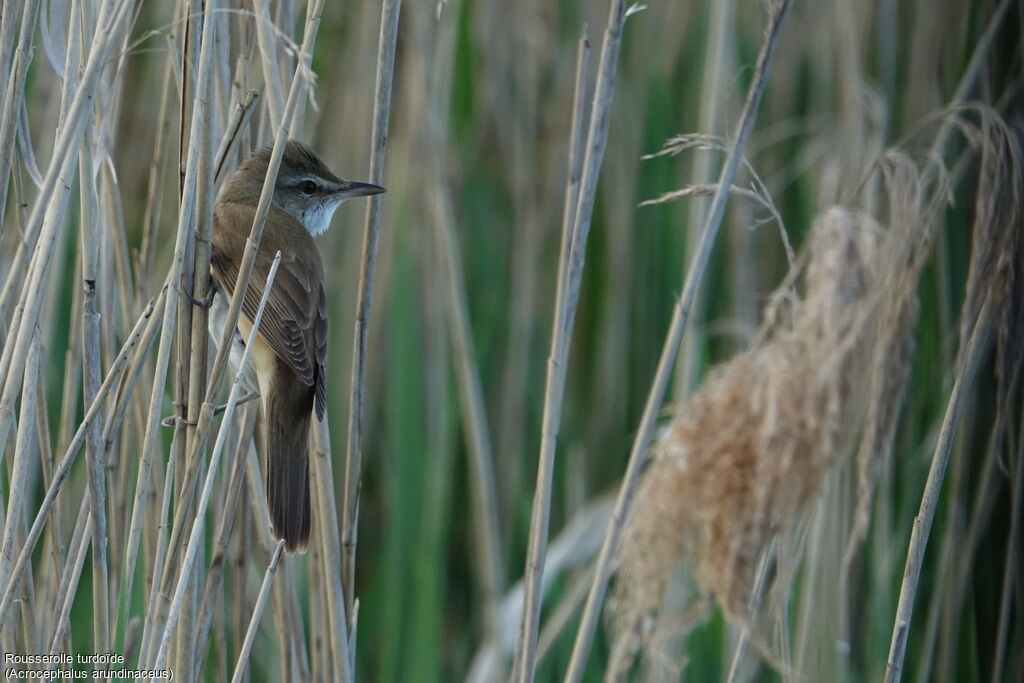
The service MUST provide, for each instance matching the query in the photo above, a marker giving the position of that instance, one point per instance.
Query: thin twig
(257, 612)
(980, 338)
(371, 235)
(575, 235)
(240, 117)
(1011, 570)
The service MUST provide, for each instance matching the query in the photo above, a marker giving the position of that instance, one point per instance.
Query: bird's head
(306, 189)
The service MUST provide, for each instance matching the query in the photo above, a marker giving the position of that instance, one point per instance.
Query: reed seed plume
(745, 454)
(746, 451)
(741, 461)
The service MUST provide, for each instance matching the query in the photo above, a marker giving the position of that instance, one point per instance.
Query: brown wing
(294, 323)
(320, 339)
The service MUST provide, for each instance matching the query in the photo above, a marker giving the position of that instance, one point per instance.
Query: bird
(290, 348)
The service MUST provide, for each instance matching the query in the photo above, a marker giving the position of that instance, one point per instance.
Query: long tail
(286, 419)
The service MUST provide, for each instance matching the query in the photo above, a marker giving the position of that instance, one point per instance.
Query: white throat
(317, 218)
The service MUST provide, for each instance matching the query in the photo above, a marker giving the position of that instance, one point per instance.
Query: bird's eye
(308, 187)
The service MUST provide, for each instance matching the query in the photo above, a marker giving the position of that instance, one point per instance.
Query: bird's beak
(348, 189)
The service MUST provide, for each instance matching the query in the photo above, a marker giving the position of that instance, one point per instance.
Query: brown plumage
(294, 332)
(291, 345)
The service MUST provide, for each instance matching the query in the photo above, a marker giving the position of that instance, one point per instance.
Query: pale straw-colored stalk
(1011, 567)
(470, 391)
(670, 350)
(201, 290)
(228, 512)
(980, 339)
(95, 456)
(268, 61)
(261, 602)
(131, 347)
(192, 548)
(390, 12)
(20, 468)
(75, 564)
(566, 300)
(48, 209)
(282, 135)
(337, 610)
(14, 89)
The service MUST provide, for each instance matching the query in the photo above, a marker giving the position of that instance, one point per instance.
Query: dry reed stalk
(258, 501)
(484, 489)
(150, 623)
(130, 348)
(91, 362)
(990, 313)
(193, 152)
(268, 62)
(194, 338)
(566, 299)
(281, 137)
(228, 514)
(595, 600)
(753, 604)
(471, 401)
(26, 244)
(8, 22)
(261, 601)
(67, 573)
(390, 11)
(197, 527)
(570, 552)
(31, 634)
(339, 616)
(19, 476)
(14, 89)
(575, 163)
(75, 565)
(996, 249)
(176, 330)
(240, 115)
(50, 566)
(49, 207)
(154, 188)
(981, 337)
(488, 663)
(319, 625)
(1011, 568)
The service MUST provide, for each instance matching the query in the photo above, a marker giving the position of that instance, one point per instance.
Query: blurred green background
(850, 79)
